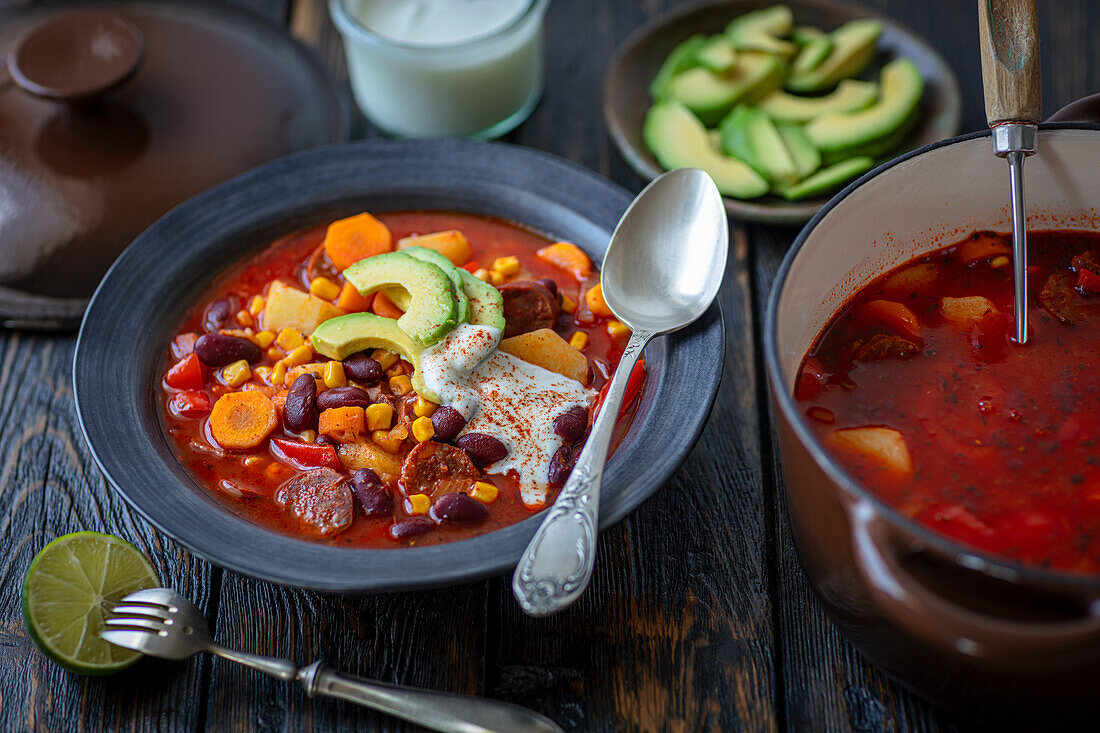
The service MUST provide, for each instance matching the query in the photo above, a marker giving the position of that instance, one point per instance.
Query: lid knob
(76, 56)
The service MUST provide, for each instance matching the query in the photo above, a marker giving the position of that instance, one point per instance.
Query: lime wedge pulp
(70, 586)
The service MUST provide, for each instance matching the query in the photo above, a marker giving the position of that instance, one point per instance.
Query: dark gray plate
(635, 63)
(122, 349)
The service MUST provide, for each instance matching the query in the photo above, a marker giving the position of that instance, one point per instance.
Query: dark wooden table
(698, 616)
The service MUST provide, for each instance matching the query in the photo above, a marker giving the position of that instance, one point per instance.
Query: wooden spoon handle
(1009, 31)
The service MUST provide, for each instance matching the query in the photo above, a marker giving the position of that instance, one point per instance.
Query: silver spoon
(661, 272)
(162, 623)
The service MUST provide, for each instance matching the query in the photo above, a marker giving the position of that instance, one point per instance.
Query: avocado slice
(711, 95)
(843, 133)
(400, 297)
(853, 50)
(827, 179)
(486, 304)
(681, 58)
(717, 54)
(807, 158)
(338, 338)
(678, 140)
(803, 34)
(762, 30)
(812, 55)
(750, 135)
(851, 95)
(432, 309)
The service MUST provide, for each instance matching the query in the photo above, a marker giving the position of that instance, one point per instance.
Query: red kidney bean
(412, 527)
(483, 449)
(362, 368)
(549, 284)
(300, 411)
(561, 465)
(572, 424)
(372, 494)
(216, 349)
(447, 422)
(216, 314)
(343, 397)
(458, 508)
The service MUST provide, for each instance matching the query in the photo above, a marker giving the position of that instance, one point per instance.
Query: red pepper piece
(305, 456)
(191, 403)
(1088, 282)
(187, 373)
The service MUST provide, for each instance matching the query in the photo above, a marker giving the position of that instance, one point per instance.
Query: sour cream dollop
(503, 396)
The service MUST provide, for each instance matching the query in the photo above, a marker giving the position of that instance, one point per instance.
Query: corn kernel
(324, 288)
(423, 407)
(252, 461)
(998, 262)
(401, 385)
(387, 442)
(237, 373)
(568, 304)
(289, 339)
(274, 353)
(507, 266)
(385, 358)
(334, 375)
(278, 373)
(618, 329)
(418, 504)
(309, 436)
(484, 492)
(262, 372)
(264, 339)
(399, 432)
(482, 274)
(256, 305)
(579, 340)
(300, 355)
(497, 278)
(422, 429)
(245, 319)
(379, 417)
(398, 369)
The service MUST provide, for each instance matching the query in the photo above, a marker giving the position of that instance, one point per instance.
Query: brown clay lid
(116, 112)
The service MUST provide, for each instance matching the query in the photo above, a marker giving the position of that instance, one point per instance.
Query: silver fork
(162, 623)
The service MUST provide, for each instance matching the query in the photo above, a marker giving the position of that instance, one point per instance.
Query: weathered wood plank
(50, 486)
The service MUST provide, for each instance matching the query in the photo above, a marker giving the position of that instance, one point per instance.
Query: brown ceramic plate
(635, 63)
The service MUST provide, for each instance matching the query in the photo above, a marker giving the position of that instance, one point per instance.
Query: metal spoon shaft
(1019, 242)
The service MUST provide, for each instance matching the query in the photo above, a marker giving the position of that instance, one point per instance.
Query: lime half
(71, 585)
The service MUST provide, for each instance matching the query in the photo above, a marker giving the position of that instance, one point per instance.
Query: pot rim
(971, 558)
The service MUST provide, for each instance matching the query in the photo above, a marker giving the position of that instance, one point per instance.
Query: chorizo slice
(528, 306)
(321, 499)
(436, 469)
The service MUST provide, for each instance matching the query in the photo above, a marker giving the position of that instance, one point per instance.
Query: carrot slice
(568, 257)
(384, 307)
(349, 240)
(983, 246)
(351, 301)
(342, 424)
(242, 420)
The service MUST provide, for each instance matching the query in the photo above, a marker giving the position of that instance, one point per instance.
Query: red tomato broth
(285, 259)
(1004, 440)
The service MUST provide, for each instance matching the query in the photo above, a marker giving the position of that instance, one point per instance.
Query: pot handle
(1085, 109)
(935, 618)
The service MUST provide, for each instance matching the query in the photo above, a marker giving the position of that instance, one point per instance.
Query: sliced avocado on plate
(803, 34)
(486, 304)
(432, 309)
(807, 158)
(849, 96)
(763, 30)
(680, 59)
(750, 135)
(711, 95)
(853, 50)
(401, 297)
(679, 140)
(717, 54)
(827, 179)
(812, 55)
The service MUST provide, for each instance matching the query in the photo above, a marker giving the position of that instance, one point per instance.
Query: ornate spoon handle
(556, 566)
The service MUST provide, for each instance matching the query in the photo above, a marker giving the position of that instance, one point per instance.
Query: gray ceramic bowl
(122, 349)
(635, 63)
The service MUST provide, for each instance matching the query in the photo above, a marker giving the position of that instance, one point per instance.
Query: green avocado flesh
(711, 95)
(853, 50)
(679, 140)
(807, 158)
(812, 55)
(432, 309)
(849, 132)
(750, 135)
(717, 54)
(827, 179)
(680, 59)
(340, 337)
(762, 30)
(486, 305)
(850, 96)
(401, 297)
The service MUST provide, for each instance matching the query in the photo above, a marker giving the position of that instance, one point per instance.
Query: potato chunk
(884, 446)
(288, 307)
(967, 311)
(452, 244)
(368, 455)
(911, 280)
(545, 348)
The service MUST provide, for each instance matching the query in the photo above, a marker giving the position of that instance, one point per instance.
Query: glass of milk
(436, 68)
